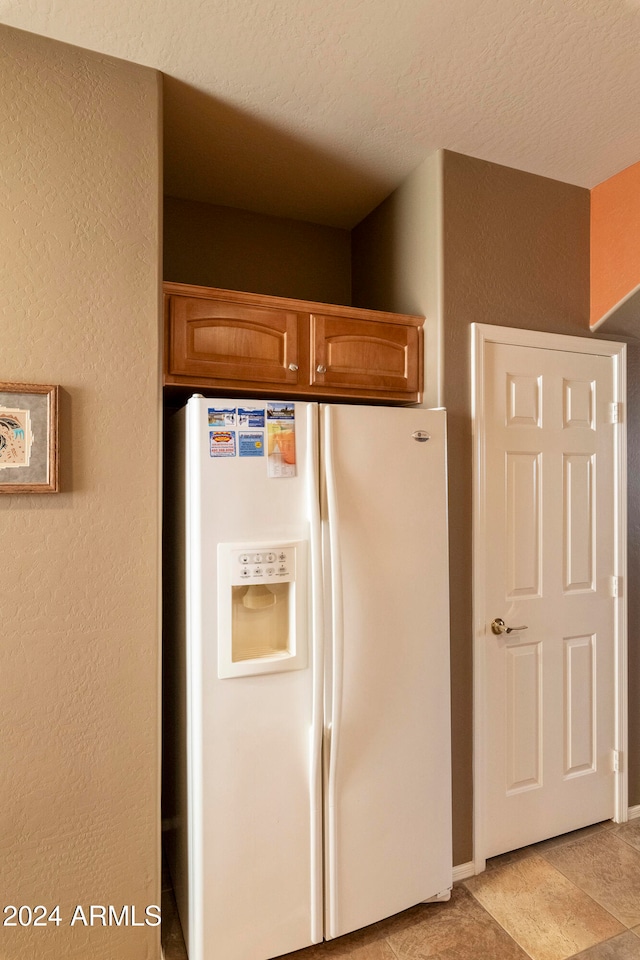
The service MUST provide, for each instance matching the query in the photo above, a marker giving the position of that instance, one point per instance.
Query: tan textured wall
(516, 253)
(79, 626)
(239, 250)
(396, 260)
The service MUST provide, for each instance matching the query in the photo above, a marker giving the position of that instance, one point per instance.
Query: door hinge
(617, 761)
(616, 587)
(615, 412)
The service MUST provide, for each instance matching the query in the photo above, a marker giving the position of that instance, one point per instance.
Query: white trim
(514, 336)
(614, 309)
(633, 812)
(439, 270)
(621, 640)
(465, 870)
(478, 598)
(483, 334)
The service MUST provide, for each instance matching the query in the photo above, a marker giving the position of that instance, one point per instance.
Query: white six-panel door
(549, 565)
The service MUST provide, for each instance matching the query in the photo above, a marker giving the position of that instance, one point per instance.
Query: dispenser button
(270, 558)
(282, 555)
(282, 570)
(257, 571)
(245, 572)
(270, 571)
(257, 558)
(244, 558)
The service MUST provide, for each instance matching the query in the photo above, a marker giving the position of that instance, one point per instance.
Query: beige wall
(397, 261)
(514, 251)
(238, 250)
(79, 570)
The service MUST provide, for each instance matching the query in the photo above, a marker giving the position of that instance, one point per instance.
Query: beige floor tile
(544, 912)
(367, 944)
(174, 948)
(623, 947)
(512, 856)
(582, 834)
(457, 930)
(172, 939)
(605, 867)
(629, 832)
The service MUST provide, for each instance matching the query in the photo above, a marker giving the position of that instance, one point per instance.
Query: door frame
(483, 334)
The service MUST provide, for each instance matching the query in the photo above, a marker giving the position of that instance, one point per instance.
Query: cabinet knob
(293, 367)
(321, 369)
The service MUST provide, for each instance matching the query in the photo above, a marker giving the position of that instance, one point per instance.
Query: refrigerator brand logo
(421, 436)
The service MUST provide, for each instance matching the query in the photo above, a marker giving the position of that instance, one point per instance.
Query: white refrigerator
(312, 787)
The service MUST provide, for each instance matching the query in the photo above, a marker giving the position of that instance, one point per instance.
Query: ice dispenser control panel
(275, 565)
(262, 608)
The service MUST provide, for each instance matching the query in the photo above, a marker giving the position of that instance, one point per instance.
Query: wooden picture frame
(28, 438)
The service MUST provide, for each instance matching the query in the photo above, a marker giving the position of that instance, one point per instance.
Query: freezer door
(387, 740)
(253, 790)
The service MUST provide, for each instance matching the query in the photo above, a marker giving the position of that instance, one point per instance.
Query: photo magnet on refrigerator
(222, 443)
(281, 434)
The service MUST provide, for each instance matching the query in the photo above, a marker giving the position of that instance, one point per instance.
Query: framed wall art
(28, 438)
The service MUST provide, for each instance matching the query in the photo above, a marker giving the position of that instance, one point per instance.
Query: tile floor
(573, 896)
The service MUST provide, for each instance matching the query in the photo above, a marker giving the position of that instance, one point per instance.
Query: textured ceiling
(316, 109)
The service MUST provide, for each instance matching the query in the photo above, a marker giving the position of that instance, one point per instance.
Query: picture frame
(28, 438)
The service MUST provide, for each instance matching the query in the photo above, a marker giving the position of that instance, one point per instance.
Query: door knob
(498, 626)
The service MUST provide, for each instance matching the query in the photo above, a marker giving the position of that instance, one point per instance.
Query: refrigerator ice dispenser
(261, 608)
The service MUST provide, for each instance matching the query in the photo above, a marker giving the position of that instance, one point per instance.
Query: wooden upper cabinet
(243, 342)
(365, 354)
(223, 339)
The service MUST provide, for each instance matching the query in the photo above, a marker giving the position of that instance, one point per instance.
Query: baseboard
(634, 812)
(465, 870)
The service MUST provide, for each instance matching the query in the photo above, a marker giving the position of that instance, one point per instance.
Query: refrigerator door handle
(317, 667)
(337, 634)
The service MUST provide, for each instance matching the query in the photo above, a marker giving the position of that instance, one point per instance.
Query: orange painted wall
(615, 240)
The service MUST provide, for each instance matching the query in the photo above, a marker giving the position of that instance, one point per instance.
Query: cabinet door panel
(377, 355)
(226, 339)
(223, 340)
